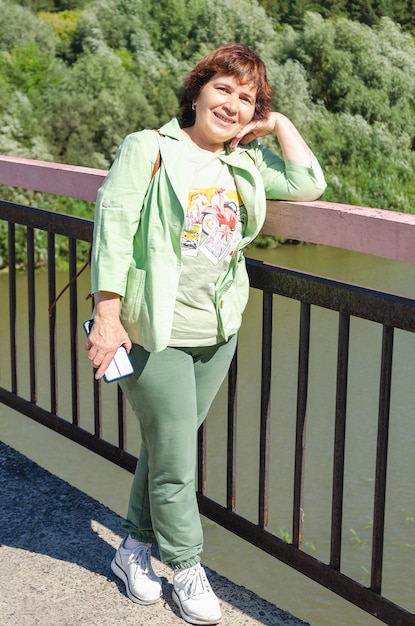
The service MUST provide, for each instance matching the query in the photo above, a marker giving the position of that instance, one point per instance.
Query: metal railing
(388, 311)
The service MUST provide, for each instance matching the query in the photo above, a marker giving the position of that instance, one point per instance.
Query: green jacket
(139, 219)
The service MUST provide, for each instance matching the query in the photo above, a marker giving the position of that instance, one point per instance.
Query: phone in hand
(120, 366)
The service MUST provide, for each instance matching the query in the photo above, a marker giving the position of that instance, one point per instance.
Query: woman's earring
(193, 107)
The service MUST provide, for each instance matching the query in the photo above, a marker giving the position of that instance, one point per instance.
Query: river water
(233, 557)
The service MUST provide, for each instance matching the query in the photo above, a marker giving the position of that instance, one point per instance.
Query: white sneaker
(194, 596)
(135, 570)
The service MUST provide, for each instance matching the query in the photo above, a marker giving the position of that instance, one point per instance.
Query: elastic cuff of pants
(185, 564)
(145, 537)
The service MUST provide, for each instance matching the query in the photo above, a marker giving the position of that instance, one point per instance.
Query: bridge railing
(357, 228)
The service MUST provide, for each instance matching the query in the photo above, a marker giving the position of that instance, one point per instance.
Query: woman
(170, 284)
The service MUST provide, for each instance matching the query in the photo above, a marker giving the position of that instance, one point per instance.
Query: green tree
(365, 164)
(218, 22)
(18, 26)
(29, 76)
(64, 25)
(125, 27)
(365, 11)
(100, 104)
(358, 70)
(53, 6)
(403, 12)
(109, 22)
(169, 23)
(353, 98)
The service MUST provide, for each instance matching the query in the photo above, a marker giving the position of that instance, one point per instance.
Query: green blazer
(139, 219)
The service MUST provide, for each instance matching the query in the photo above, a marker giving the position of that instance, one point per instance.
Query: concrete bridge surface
(56, 545)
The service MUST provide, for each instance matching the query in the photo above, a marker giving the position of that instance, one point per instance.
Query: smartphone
(120, 366)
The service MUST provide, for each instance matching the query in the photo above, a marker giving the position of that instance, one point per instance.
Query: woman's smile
(223, 119)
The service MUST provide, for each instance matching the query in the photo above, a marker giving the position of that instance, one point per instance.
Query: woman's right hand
(107, 333)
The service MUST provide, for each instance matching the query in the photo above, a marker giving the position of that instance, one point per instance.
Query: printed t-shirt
(213, 227)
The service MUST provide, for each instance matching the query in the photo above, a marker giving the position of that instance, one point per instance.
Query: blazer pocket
(231, 299)
(134, 295)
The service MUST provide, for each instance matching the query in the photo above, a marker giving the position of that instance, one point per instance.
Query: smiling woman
(233, 60)
(227, 98)
(170, 284)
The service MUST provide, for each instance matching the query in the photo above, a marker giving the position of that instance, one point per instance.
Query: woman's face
(224, 106)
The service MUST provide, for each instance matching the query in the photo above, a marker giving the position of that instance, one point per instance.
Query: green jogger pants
(171, 392)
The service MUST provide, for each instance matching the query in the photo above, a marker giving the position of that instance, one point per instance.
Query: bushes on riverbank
(75, 80)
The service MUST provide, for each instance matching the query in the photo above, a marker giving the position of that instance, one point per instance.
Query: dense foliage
(77, 76)
(365, 11)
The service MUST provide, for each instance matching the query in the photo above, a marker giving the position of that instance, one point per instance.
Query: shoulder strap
(156, 167)
(157, 162)
(68, 284)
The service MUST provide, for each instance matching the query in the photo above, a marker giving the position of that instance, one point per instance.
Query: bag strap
(157, 164)
(156, 168)
(68, 284)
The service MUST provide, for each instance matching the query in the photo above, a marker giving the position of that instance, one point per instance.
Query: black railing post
(52, 325)
(231, 434)
(12, 306)
(73, 323)
(266, 369)
(31, 296)
(300, 437)
(382, 459)
(339, 440)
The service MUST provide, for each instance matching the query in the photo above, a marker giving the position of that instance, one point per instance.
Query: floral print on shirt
(213, 224)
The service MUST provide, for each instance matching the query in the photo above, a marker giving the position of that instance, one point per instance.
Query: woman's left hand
(293, 146)
(253, 130)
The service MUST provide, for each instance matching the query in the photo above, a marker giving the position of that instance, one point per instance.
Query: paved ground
(56, 544)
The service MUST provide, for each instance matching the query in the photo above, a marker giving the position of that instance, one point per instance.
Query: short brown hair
(232, 59)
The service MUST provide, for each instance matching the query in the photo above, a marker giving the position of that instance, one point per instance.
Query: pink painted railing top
(387, 234)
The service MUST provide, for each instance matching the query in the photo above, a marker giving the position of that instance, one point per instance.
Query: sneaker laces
(141, 558)
(195, 582)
